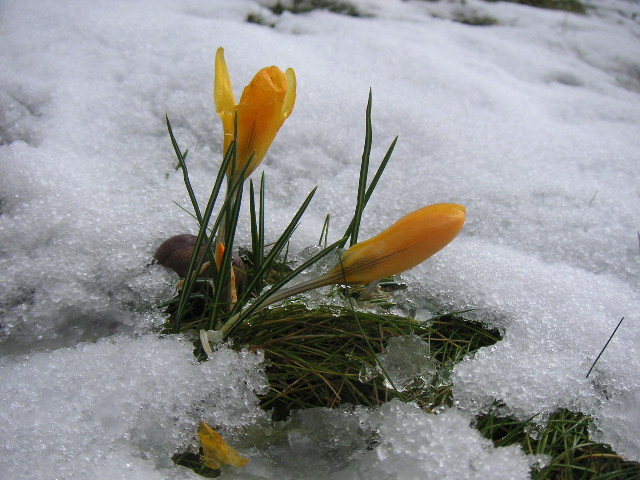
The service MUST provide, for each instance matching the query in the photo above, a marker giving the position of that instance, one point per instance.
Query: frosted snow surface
(119, 406)
(411, 444)
(532, 123)
(405, 364)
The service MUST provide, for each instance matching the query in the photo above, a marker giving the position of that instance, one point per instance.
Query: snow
(532, 124)
(105, 407)
(411, 444)
(406, 363)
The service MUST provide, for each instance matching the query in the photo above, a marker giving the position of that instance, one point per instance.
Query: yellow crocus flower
(405, 244)
(264, 106)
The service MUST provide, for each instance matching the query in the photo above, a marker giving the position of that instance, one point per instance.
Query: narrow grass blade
(184, 157)
(257, 231)
(381, 168)
(276, 249)
(195, 263)
(325, 231)
(364, 168)
(605, 347)
(374, 182)
(259, 254)
(183, 165)
(255, 247)
(222, 286)
(271, 296)
(185, 210)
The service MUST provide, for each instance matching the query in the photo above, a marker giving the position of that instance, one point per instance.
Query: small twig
(604, 348)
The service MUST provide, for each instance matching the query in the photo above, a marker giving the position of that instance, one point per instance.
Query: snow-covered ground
(532, 123)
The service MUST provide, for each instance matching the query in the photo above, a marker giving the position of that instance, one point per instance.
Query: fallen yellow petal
(216, 451)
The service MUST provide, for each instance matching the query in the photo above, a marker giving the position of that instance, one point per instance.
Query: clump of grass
(211, 297)
(259, 19)
(471, 17)
(305, 6)
(574, 6)
(566, 441)
(316, 358)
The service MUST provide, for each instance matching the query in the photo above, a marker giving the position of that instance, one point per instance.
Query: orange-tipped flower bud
(405, 244)
(264, 106)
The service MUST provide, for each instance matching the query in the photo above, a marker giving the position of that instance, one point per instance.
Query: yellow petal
(408, 242)
(222, 91)
(290, 97)
(260, 116)
(219, 254)
(216, 451)
(223, 96)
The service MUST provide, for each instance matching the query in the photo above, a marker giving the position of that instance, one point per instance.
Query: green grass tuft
(474, 18)
(316, 358)
(259, 19)
(574, 6)
(305, 6)
(565, 439)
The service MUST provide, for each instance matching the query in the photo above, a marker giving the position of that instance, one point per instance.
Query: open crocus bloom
(264, 106)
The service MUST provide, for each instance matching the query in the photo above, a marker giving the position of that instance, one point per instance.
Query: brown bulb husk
(175, 253)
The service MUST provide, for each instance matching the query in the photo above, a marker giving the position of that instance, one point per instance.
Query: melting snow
(532, 123)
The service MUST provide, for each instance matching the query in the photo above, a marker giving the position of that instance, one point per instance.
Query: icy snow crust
(532, 124)
(119, 406)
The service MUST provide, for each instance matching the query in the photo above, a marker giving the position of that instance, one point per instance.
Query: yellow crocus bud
(405, 244)
(264, 106)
